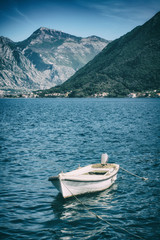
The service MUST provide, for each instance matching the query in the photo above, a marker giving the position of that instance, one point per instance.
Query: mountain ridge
(128, 64)
(46, 58)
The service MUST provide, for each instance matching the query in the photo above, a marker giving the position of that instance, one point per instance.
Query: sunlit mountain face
(45, 59)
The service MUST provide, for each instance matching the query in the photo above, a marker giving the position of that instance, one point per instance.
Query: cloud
(133, 11)
(15, 15)
(24, 17)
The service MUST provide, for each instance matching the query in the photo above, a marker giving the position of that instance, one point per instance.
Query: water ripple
(42, 137)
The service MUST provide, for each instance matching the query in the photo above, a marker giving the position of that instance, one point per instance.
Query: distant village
(11, 94)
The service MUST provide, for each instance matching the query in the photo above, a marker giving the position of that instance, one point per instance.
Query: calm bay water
(41, 137)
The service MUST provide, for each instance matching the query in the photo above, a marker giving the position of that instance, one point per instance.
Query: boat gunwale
(69, 177)
(89, 180)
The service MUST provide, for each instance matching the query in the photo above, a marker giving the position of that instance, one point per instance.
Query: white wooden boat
(92, 178)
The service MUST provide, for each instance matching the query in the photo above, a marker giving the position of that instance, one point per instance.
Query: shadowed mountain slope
(128, 64)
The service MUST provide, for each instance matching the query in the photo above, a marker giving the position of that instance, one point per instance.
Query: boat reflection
(70, 209)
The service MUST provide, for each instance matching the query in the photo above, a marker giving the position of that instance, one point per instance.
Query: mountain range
(45, 59)
(126, 65)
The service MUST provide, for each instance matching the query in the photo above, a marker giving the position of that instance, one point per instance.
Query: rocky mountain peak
(4, 40)
(45, 59)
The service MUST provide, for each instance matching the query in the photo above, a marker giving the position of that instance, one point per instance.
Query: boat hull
(69, 185)
(71, 188)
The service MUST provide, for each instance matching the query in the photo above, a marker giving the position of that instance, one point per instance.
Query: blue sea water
(41, 137)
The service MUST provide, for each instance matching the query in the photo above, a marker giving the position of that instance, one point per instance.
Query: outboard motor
(104, 158)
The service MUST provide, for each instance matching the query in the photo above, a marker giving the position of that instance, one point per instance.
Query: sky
(108, 19)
